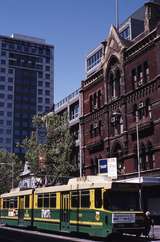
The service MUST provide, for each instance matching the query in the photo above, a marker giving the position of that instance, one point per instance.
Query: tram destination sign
(108, 166)
(123, 218)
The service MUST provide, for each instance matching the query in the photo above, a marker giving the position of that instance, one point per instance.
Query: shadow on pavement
(126, 238)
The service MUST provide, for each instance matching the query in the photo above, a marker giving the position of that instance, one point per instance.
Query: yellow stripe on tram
(86, 223)
(7, 217)
(47, 220)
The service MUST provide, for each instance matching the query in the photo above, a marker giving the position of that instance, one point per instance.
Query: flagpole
(117, 15)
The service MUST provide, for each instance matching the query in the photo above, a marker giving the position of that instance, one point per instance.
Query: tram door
(21, 211)
(65, 216)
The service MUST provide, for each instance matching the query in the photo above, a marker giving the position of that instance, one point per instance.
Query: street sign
(103, 166)
(108, 166)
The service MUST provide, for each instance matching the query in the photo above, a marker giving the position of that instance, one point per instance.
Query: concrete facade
(26, 87)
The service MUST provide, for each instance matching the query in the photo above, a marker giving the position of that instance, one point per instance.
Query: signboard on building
(108, 167)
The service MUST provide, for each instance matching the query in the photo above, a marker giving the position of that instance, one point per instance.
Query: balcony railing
(67, 99)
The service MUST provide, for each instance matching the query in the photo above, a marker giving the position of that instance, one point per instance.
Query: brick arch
(112, 61)
(116, 147)
(117, 151)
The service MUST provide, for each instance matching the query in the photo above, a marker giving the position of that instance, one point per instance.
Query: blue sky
(74, 27)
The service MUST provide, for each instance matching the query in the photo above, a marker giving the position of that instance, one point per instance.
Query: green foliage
(31, 154)
(9, 164)
(52, 159)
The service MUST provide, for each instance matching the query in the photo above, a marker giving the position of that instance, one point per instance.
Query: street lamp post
(138, 159)
(12, 175)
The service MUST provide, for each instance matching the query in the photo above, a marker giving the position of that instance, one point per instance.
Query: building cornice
(141, 45)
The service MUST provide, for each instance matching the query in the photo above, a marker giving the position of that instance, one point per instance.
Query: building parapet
(97, 76)
(28, 38)
(67, 99)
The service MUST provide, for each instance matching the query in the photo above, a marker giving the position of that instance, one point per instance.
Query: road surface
(20, 235)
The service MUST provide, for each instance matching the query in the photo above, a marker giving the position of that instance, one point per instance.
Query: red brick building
(126, 85)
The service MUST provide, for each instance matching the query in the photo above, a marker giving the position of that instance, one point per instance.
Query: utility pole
(12, 175)
(138, 159)
(80, 136)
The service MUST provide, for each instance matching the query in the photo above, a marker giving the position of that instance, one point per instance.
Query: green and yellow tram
(93, 205)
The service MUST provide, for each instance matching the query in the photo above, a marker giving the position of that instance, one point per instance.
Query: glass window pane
(27, 201)
(53, 200)
(85, 199)
(40, 200)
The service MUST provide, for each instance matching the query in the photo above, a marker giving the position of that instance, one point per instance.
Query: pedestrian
(149, 222)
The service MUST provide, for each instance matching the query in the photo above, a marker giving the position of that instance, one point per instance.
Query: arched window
(148, 108)
(117, 85)
(94, 165)
(121, 125)
(143, 157)
(135, 158)
(149, 155)
(116, 123)
(99, 99)
(112, 86)
(114, 76)
(134, 111)
(91, 102)
(118, 153)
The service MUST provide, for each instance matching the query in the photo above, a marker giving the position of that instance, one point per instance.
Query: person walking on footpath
(149, 223)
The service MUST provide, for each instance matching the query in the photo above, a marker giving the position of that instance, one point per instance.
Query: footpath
(155, 233)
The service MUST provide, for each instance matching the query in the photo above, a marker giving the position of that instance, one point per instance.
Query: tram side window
(27, 201)
(98, 198)
(106, 200)
(13, 202)
(75, 199)
(40, 200)
(46, 200)
(5, 203)
(53, 200)
(85, 199)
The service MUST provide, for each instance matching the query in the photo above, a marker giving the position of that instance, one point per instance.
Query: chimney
(152, 15)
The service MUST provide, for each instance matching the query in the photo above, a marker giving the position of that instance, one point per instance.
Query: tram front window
(121, 200)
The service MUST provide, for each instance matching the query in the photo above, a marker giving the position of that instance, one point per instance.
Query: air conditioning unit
(95, 106)
(95, 125)
(140, 83)
(113, 119)
(135, 78)
(141, 105)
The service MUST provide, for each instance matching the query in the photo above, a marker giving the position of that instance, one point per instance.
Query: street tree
(10, 168)
(53, 158)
